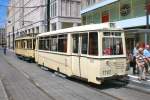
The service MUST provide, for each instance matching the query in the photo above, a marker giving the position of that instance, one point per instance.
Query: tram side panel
(56, 61)
(87, 68)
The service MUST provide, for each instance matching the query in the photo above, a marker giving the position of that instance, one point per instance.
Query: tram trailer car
(93, 52)
(25, 48)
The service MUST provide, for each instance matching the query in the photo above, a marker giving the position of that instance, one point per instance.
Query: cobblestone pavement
(3, 95)
(53, 87)
(17, 86)
(29, 82)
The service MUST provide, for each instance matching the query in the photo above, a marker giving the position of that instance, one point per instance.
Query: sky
(3, 12)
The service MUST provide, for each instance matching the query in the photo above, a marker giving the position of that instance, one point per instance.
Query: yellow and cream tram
(25, 47)
(93, 52)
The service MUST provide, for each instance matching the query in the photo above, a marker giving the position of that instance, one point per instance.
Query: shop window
(62, 43)
(75, 43)
(84, 37)
(93, 43)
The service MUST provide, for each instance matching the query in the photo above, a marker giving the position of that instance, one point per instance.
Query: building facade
(64, 13)
(129, 14)
(2, 37)
(38, 16)
(25, 17)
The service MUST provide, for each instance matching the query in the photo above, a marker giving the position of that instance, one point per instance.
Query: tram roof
(24, 38)
(104, 26)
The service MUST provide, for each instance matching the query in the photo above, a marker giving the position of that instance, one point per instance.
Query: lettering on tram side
(106, 72)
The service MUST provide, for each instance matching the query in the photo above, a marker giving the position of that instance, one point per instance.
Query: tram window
(84, 43)
(41, 44)
(93, 43)
(106, 33)
(75, 43)
(44, 43)
(54, 43)
(112, 33)
(62, 43)
(16, 44)
(34, 43)
(29, 44)
(47, 43)
(117, 34)
(112, 46)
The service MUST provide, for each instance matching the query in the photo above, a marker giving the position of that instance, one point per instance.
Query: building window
(37, 29)
(105, 16)
(32, 30)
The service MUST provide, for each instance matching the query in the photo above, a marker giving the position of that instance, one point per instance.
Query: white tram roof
(104, 26)
(24, 38)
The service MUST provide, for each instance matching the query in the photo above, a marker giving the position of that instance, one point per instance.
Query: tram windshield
(112, 43)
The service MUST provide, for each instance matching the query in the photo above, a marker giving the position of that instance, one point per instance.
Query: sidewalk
(141, 84)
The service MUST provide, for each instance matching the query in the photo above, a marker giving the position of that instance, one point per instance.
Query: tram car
(92, 52)
(25, 47)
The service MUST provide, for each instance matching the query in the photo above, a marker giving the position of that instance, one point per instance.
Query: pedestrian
(129, 59)
(135, 51)
(140, 61)
(146, 53)
(5, 50)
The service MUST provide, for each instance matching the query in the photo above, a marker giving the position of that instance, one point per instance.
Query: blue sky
(3, 12)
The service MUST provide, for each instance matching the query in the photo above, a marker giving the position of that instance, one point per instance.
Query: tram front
(113, 55)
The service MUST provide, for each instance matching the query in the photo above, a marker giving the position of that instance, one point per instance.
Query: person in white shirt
(135, 51)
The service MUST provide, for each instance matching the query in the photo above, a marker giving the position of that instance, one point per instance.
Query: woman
(140, 61)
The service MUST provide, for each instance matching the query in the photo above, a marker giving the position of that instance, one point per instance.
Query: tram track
(29, 78)
(100, 89)
(117, 84)
(45, 92)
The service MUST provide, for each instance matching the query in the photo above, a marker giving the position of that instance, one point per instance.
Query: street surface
(21, 80)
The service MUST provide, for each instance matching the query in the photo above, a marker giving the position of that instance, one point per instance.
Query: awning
(137, 31)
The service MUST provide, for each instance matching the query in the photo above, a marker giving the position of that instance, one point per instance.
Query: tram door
(76, 55)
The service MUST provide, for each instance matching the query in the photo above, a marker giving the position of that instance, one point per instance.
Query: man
(147, 52)
(5, 50)
(140, 61)
(147, 56)
(135, 51)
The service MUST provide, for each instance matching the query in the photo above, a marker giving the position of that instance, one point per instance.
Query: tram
(25, 47)
(93, 52)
